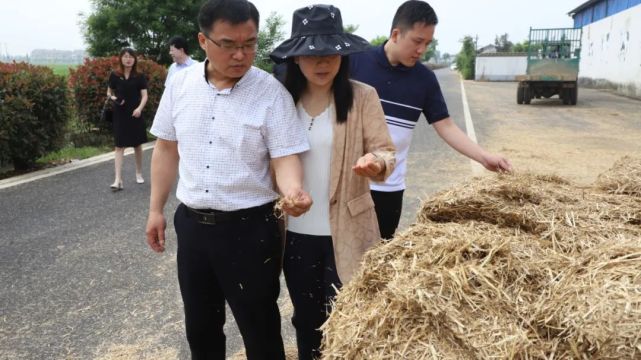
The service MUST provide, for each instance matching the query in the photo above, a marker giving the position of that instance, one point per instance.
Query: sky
(26, 25)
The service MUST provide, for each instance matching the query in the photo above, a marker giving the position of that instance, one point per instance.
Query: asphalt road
(79, 282)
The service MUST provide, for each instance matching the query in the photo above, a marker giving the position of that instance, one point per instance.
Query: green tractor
(552, 66)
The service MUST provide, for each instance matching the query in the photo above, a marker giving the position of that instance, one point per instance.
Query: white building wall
(499, 68)
(611, 53)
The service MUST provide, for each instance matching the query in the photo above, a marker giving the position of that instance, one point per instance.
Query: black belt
(213, 217)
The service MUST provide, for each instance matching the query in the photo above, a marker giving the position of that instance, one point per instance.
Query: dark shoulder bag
(106, 115)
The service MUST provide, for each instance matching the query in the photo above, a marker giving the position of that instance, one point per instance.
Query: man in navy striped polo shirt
(406, 89)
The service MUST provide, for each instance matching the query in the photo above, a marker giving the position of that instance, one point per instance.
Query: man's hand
(368, 165)
(137, 112)
(296, 203)
(155, 231)
(496, 163)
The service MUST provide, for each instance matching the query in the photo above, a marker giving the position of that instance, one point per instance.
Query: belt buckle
(204, 218)
(209, 219)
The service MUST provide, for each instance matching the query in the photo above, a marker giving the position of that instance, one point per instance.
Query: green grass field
(61, 69)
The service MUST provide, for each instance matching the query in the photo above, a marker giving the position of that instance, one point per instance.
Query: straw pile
(623, 178)
(513, 267)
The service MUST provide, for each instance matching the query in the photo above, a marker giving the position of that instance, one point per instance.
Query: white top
(316, 166)
(402, 139)
(227, 137)
(176, 67)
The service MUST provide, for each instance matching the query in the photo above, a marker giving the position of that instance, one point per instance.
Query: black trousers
(388, 206)
(310, 273)
(238, 261)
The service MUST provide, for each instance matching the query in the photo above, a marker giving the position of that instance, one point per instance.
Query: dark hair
(121, 67)
(233, 11)
(179, 42)
(295, 82)
(412, 12)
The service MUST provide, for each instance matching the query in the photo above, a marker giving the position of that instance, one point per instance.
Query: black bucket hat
(318, 30)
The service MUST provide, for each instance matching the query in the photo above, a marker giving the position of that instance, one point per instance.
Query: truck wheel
(574, 94)
(565, 96)
(519, 95)
(527, 96)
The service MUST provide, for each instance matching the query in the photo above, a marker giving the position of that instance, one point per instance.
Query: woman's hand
(137, 112)
(369, 165)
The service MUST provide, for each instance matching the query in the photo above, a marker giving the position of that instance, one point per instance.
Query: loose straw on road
(623, 178)
(516, 266)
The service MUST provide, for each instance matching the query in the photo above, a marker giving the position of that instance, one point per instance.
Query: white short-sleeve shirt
(226, 138)
(176, 67)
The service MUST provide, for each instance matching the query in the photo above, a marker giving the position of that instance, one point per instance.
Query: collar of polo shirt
(240, 82)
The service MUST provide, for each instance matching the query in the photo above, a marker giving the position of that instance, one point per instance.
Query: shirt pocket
(360, 204)
(250, 145)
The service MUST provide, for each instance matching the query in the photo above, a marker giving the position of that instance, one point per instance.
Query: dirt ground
(576, 142)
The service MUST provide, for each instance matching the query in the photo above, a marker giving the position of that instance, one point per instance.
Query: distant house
(611, 44)
(487, 49)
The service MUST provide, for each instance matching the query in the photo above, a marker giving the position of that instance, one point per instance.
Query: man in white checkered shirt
(220, 125)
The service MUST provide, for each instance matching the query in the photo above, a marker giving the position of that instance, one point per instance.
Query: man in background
(407, 89)
(179, 51)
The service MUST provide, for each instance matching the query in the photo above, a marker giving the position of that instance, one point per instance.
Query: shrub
(33, 112)
(88, 84)
(466, 58)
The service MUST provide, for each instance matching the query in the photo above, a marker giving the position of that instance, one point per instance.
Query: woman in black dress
(128, 89)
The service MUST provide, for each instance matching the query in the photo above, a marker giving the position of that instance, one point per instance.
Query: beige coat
(351, 208)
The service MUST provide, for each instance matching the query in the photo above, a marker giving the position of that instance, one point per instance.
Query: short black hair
(295, 82)
(179, 42)
(233, 11)
(412, 12)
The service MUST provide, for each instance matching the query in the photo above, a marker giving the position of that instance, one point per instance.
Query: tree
(431, 51)
(466, 58)
(378, 41)
(502, 43)
(525, 45)
(520, 47)
(447, 58)
(350, 28)
(271, 34)
(145, 25)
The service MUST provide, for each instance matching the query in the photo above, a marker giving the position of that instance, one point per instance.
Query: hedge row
(33, 112)
(35, 104)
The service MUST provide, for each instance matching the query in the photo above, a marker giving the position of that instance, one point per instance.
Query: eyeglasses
(231, 47)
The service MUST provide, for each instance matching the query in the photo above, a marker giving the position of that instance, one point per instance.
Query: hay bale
(514, 267)
(623, 178)
(566, 215)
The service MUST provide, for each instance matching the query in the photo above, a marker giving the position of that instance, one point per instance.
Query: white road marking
(477, 169)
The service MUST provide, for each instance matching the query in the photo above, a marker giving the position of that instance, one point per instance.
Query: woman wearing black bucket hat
(350, 145)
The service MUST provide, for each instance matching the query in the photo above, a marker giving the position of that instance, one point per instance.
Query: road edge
(73, 165)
